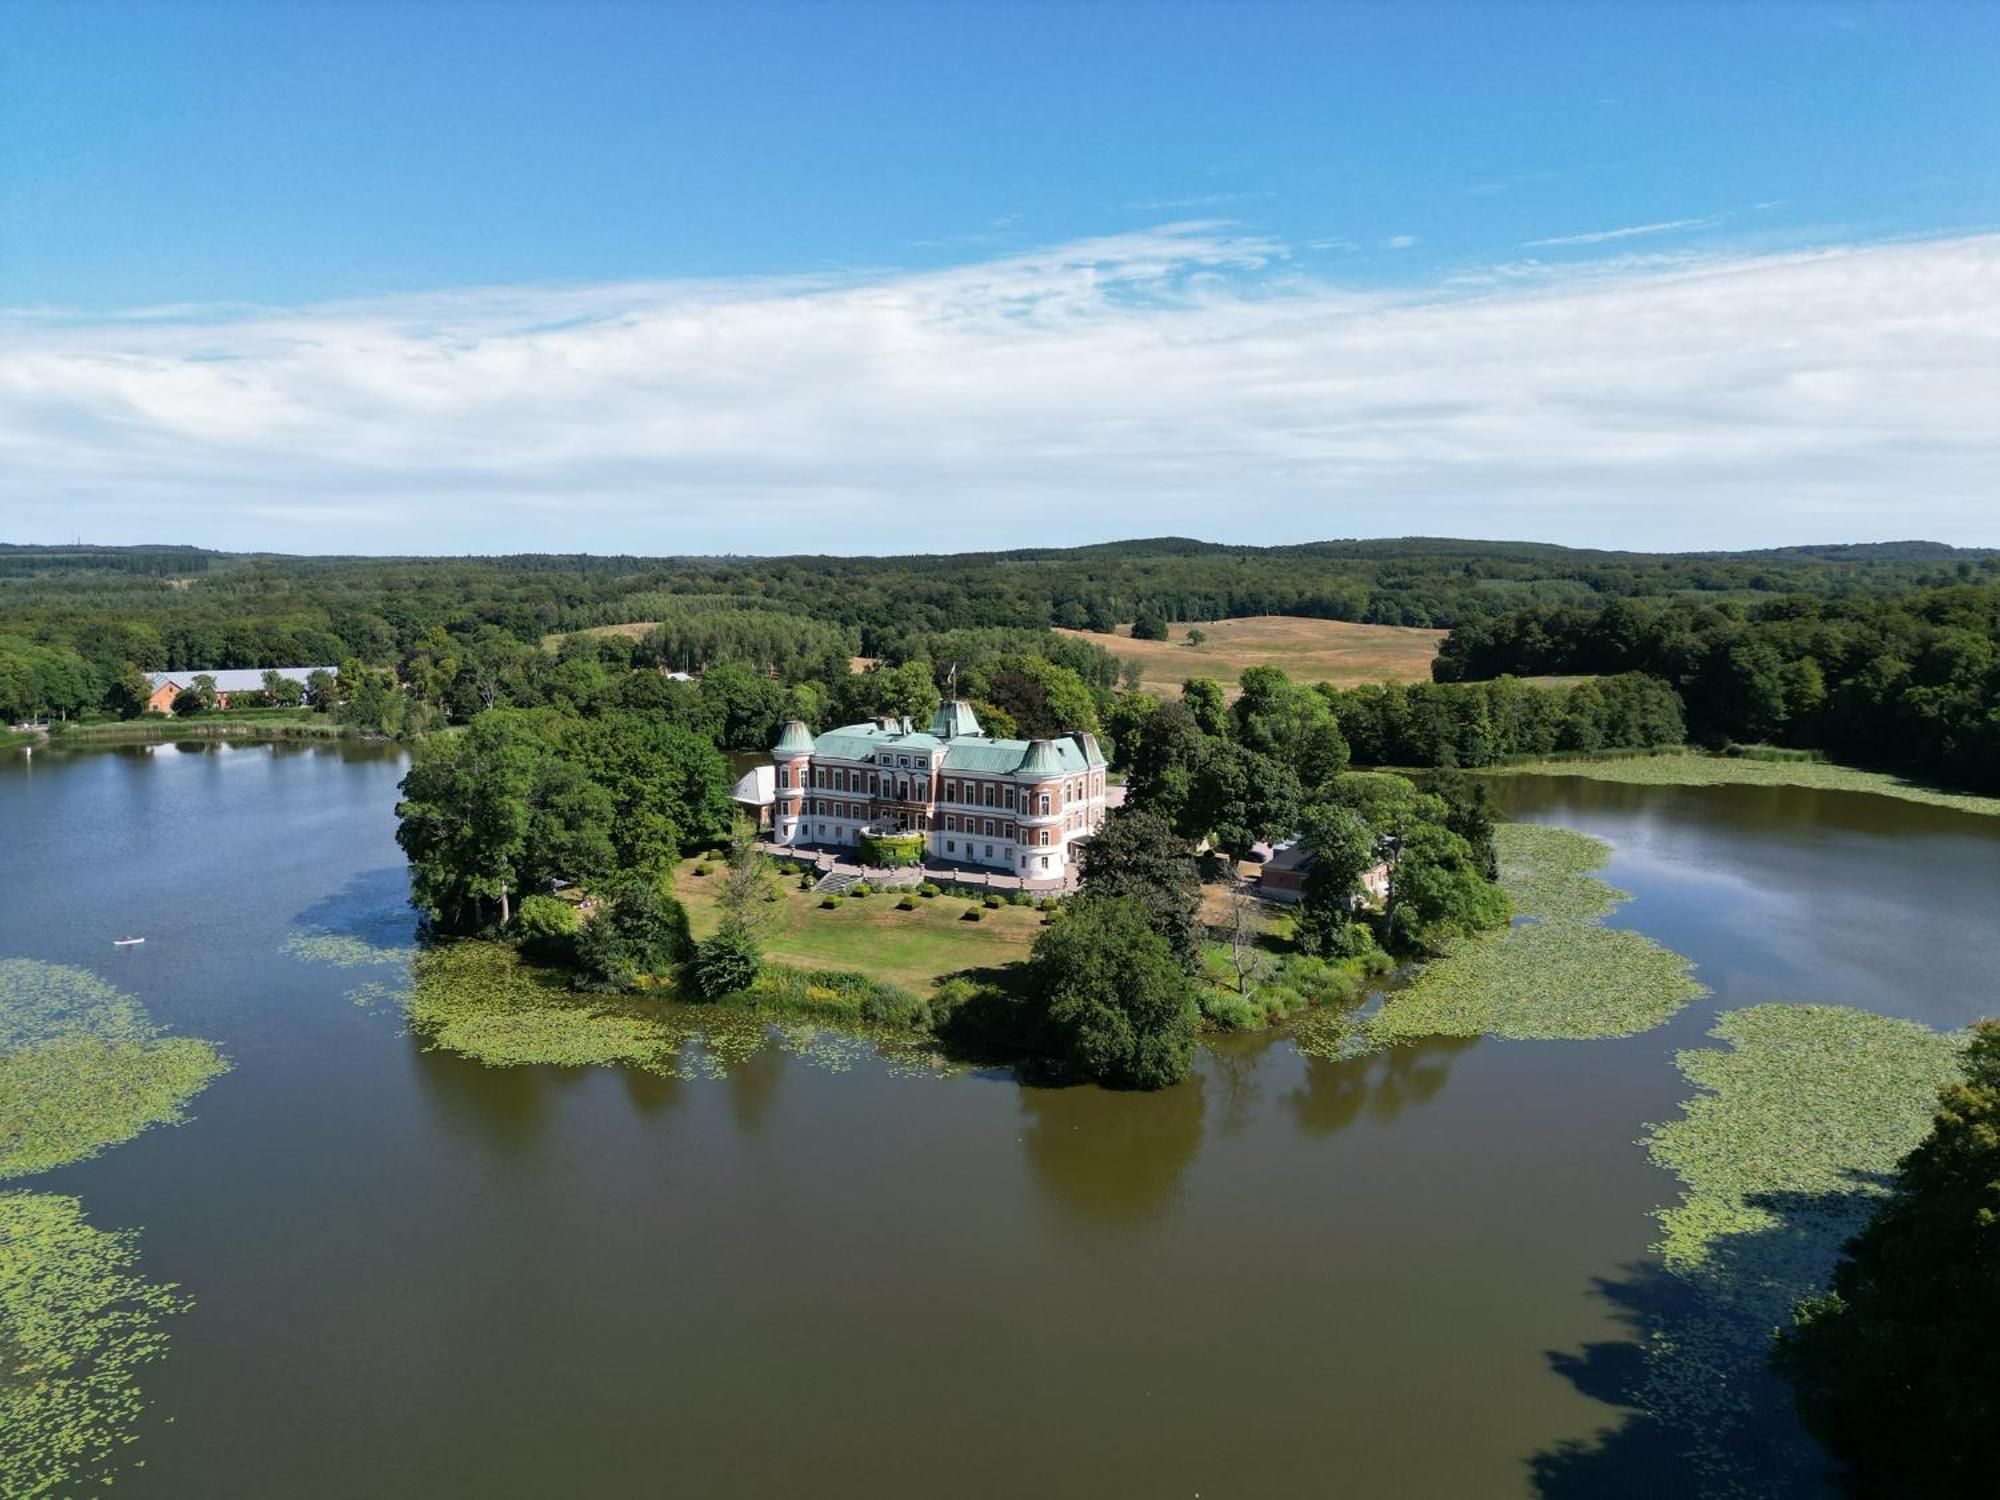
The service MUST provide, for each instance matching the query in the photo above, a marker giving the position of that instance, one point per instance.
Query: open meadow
(1336, 651)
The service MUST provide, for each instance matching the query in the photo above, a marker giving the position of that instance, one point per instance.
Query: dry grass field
(1335, 651)
(633, 628)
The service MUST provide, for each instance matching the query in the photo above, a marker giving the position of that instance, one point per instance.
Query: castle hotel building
(1018, 806)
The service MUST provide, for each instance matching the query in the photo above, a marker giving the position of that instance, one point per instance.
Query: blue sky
(424, 195)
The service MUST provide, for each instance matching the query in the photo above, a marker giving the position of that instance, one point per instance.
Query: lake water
(417, 1276)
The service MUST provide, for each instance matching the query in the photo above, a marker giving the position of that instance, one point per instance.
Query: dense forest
(1908, 680)
(75, 620)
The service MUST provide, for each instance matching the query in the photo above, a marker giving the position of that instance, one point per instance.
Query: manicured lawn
(870, 936)
(1336, 651)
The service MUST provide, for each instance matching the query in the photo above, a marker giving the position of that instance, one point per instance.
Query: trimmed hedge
(892, 849)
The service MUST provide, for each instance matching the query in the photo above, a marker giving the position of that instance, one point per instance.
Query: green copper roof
(794, 739)
(1043, 759)
(954, 719)
(974, 753)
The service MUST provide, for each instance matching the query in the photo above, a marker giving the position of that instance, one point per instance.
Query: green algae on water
(1558, 973)
(82, 1067)
(1783, 1154)
(1806, 1112)
(345, 950)
(76, 1323)
(482, 1001)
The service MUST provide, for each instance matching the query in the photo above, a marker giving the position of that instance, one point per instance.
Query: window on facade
(989, 851)
(989, 794)
(951, 791)
(988, 829)
(1045, 861)
(1010, 799)
(1045, 838)
(1044, 809)
(951, 846)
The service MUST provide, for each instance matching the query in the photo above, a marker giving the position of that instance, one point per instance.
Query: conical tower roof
(953, 719)
(1043, 760)
(795, 739)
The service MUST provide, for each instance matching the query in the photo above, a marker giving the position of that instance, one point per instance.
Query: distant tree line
(1909, 681)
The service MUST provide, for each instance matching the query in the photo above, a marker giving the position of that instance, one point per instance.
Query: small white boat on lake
(126, 942)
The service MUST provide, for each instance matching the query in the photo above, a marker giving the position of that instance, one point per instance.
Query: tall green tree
(1897, 1366)
(1118, 1007)
(1240, 797)
(464, 820)
(1137, 856)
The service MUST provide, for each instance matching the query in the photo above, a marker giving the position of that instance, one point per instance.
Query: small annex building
(167, 686)
(1013, 805)
(1281, 876)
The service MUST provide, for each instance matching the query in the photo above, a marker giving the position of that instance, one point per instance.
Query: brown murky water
(417, 1276)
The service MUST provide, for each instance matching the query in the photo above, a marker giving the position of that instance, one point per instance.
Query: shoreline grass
(1687, 768)
(484, 1002)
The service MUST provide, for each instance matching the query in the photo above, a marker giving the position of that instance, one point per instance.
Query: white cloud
(1599, 236)
(1399, 242)
(1187, 379)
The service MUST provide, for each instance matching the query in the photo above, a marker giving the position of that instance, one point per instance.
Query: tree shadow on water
(373, 906)
(1706, 1415)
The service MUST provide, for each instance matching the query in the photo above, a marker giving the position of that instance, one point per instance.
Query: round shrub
(908, 903)
(701, 869)
(829, 903)
(725, 964)
(928, 889)
(1021, 898)
(859, 889)
(972, 914)
(638, 934)
(540, 917)
(993, 903)
(1049, 903)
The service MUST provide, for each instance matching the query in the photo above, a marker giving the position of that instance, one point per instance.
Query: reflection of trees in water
(652, 1093)
(1111, 1156)
(508, 1108)
(1380, 1085)
(1236, 1064)
(1705, 1414)
(753, 1079)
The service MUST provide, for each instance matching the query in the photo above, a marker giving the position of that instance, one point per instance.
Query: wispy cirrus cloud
(1630, 231)
(1189, 378)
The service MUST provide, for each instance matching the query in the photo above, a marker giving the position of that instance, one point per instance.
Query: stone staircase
(835, 884)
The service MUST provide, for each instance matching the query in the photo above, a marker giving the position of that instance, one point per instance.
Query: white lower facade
(1043, 851)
